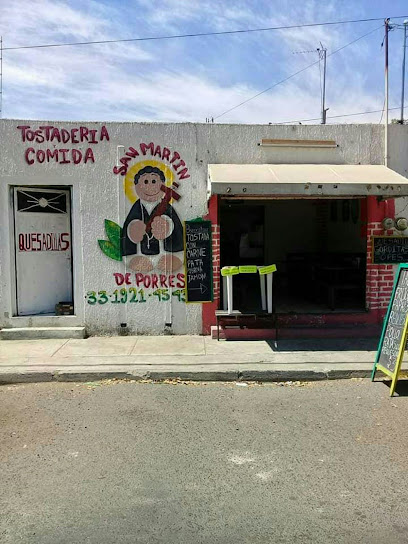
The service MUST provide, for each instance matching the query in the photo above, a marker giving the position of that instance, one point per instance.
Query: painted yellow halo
(129, 181)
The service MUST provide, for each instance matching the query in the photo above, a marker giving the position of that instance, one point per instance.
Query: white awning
(305, 180)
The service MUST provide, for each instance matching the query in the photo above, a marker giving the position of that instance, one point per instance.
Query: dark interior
(318, 246)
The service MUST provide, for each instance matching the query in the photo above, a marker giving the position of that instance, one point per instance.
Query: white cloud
(217, 15)
(47, 20)
(177, 80)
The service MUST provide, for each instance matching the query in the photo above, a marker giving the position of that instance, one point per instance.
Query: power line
(201, 34)
(333, 116)
(295, 74)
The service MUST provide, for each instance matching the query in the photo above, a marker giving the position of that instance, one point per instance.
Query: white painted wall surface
(398, 154)
(97, 195)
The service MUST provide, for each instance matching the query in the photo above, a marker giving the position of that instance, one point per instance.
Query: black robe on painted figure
(172, 243)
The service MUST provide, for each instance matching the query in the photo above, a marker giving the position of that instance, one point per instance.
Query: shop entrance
(43, 256)
(318, 245)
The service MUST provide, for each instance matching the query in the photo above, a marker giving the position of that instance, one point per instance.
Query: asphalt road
(203, 463)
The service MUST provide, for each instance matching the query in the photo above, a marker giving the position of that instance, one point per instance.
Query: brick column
(208, 308)
(216, 261)
(380, 277)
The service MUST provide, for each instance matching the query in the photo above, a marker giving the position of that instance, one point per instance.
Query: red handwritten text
(41, 241)
(63, 155)
(163, 153)
(150, 280)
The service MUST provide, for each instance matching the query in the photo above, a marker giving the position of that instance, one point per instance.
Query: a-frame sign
(395, 330)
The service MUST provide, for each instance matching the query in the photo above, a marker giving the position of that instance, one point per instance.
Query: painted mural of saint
(152, 232)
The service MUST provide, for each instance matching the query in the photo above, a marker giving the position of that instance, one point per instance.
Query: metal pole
(269, 278)
(230, 304)
(324, 88)
(386, 25)
(263, 291)
(225, 292)
(403, 72)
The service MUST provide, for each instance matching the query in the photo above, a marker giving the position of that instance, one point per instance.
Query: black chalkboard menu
(394, 326)
(198, 261)
(390, 249)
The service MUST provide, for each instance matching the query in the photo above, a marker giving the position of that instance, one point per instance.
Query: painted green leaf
(114, 232)
(110, 250)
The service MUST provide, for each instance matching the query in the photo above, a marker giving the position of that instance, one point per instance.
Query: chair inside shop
(318, 246)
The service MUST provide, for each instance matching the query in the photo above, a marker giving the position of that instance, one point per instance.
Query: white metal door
(43, 249)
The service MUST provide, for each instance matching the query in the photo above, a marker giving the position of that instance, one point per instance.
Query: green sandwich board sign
(395, 330)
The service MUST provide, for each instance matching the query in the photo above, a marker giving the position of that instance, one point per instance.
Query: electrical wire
(294, 74)
(201, 34)
(335, 116)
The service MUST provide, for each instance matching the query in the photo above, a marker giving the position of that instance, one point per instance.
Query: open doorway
(318, 246)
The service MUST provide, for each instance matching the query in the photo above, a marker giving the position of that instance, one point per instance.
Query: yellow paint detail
(267, 269)
(248, 269)
(229, 271)
(400, 357)
(394, 375)
(129, 181)
(385, 371)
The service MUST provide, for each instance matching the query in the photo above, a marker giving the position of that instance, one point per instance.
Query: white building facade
(92, 216)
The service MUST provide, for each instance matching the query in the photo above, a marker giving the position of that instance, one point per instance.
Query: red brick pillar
(380, 277)
(208, 308)
(216, 261)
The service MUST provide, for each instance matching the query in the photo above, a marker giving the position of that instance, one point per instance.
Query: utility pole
(322, 52)
(387, 27)
(322, 55)
(403, 72)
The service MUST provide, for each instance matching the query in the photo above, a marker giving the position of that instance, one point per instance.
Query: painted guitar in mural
(169, 193)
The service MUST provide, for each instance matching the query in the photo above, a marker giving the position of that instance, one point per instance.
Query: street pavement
(133, 462)
(187, 357)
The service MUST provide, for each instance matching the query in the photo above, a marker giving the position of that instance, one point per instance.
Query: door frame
(13, 249)
(262, 200)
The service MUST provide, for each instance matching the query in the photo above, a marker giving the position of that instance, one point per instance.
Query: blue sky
(194, 78)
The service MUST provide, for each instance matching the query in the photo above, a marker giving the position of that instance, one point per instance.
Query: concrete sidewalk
(184, 357)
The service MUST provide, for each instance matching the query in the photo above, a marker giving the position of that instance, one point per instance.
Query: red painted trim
(208, 310)
(368, 331)
(379, 284)
(379, 279)
(376, 211)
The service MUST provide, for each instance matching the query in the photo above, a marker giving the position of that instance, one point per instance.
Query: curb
(267, 375)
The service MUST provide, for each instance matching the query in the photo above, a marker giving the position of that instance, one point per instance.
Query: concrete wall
(97, 194)
(398, 161)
